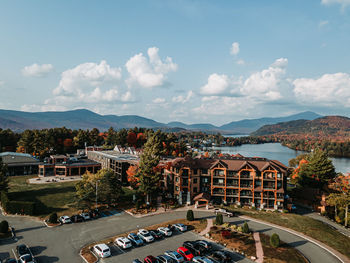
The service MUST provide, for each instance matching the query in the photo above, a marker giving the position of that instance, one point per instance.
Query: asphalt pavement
(63, 243)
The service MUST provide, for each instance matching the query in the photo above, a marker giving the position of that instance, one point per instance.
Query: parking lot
(158, 248)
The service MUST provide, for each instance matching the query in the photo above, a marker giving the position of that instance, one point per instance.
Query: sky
(194, 61)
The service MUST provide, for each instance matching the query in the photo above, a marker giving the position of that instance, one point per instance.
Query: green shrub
(17, 207)
(341, 216)
(245, 228)
(239, 229)
(219, 219)
(189, 215)
(53, 218)
(4, 227)
(275, 240)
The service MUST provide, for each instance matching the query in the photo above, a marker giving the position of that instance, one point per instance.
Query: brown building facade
(255, 181)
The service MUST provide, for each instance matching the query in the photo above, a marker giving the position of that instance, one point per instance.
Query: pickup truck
(224, 212)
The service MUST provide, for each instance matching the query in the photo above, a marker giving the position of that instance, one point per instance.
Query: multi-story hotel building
(238, 180)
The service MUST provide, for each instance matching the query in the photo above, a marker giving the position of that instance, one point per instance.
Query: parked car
(123, 242)
(156, 234)
(64, 219)
(23, 250)
(135, 239)
(196, 249)
(204, 244)
(175, 255)
(224, 212)
(180, 227)
(27, 258)
(186, 253)
(145, 236)
(94, 213)
(10, 260)
(150, 259)
(200, 259)
(102, 250)
(165, 259)
(86, 216)
(77, 218)
(165, 231)
(222, 256)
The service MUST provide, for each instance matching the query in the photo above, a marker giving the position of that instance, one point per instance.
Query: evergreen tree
(3, 178)
(219, 220)
(318, 171)
(148, 174)
(189, 215)
(275, 240)
(245, 228)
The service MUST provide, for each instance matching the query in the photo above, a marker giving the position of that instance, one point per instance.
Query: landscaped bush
(275, 240)
(245, 228)
(219, 219)
(4, 227)
(189, 215)
(53, 218)
(226, 234)
(341, 216)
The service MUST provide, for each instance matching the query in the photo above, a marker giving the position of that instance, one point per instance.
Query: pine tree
(3, 178)
(318, 171)
(148, 174)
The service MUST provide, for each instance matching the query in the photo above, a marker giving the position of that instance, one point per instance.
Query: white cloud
(328, 90)
(158, 100)
(217, 84)
(151, 72)
(182, 99)
(343, 3)
(323, 23)
(264, 85)
(240, 62)
(234, 48)
(37, 70)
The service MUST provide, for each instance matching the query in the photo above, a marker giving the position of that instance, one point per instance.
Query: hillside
(85, 119)
(334, 127)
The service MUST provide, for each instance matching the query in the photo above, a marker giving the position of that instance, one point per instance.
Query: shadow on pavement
(264, 230)
(29, 229)
(36, 250)
(297, 243)
(4, 255)
(46, 259)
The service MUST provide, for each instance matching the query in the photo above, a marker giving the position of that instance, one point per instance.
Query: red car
(150, 259)
(185, 253)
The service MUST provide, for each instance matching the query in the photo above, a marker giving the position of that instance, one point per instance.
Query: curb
(330, 250)
(45, 223)
(97, 259)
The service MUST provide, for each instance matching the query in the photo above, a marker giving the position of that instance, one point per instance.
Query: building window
(195, 180)
(195, 171)
(204, 171)
(205, 180)
(177, 179)
(177, 188)
(195, 189)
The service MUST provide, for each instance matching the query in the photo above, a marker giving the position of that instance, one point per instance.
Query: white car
(145, 236)
(27, 258)
(165, 231)
(123, 242)
(86, 216)
(181, 227)
(65, 219)
(102, 250)
(200, 259)
(175, 255)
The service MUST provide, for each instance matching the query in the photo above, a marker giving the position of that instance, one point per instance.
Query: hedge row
(17, 207)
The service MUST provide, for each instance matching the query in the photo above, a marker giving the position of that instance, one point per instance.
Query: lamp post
(96, 192)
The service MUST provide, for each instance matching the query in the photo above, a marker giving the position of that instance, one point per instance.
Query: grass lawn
(306, 225)
(50, 197)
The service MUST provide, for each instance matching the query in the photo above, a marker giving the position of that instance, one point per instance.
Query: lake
(275, 151)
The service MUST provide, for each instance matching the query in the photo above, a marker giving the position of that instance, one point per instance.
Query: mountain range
(85, 119)
(335, 127)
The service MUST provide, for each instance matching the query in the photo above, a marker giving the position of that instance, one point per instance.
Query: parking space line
(14, 254)
(118, 248)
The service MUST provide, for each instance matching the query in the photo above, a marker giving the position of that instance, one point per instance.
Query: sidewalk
(207, 229)
(259, 249)
(337, 254)
(340, 228)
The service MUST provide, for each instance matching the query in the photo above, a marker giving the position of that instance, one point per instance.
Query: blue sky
(190, 61)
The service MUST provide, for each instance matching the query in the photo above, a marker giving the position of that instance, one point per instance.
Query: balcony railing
(218, 184)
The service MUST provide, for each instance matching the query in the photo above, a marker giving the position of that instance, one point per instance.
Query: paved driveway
(62, 244)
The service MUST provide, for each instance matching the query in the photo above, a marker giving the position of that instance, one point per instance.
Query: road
(63, 243)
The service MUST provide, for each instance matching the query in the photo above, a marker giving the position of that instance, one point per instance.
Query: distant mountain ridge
(336, 127)
(85, 119)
